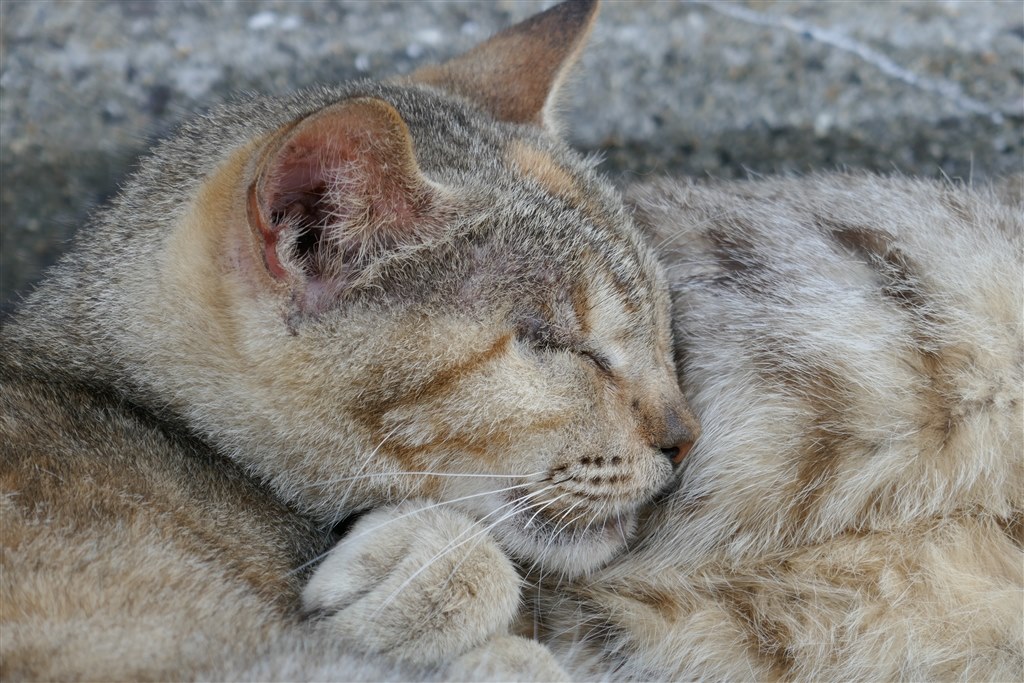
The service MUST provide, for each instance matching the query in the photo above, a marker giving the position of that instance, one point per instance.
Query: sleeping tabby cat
(854, 349)
(410, 297)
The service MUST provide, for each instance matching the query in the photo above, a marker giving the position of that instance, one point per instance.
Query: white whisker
(426, 473)
(450, 547)
(413, 512)
(436, 505)
(366, 461)
(560, 529)
(530, 522)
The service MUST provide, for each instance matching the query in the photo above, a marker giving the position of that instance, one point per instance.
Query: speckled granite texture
(719, 89)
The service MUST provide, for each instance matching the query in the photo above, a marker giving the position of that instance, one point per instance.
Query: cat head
(416, 289)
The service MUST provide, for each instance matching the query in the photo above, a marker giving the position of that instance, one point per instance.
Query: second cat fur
(855, 510)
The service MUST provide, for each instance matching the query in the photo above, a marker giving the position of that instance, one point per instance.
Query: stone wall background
(700, 88)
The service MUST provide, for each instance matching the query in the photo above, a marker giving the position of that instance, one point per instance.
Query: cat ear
(335, 190)
(515, 75)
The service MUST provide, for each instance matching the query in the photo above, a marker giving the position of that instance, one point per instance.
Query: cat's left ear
(333, 193)
(515, 75)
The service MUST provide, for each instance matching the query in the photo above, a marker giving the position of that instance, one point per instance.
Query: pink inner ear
(305, 193)
(268, 236)
(342, 188)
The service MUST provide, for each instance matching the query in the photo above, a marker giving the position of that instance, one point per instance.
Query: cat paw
(506, 658)
(422, 585)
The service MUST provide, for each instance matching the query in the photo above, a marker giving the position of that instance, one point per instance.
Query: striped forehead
(607, 243)
(620, 297)
(624, 281)
(621, 313)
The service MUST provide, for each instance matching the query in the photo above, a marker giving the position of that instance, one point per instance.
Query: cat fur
(409, 297)
(853, 346)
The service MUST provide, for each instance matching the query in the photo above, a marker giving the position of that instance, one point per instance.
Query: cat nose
(680, 431)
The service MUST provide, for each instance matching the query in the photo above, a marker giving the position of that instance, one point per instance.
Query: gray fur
(854, 348)
(190, 403)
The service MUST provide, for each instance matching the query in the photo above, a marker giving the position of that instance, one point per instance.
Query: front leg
(420, 585)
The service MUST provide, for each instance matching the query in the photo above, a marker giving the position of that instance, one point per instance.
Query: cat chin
(543, 546)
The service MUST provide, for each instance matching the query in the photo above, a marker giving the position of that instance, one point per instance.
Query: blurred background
(714, 89)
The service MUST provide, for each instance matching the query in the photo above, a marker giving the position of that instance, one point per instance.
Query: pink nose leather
(677, 439)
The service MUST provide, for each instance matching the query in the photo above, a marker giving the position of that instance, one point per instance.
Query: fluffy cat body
(409, 297)
(412, 298)
(853, 346)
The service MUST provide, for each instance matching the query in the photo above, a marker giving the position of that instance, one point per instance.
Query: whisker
(622, 530)
(450, 547)
(586, 528)
(343, 503)
(535, 564)
(407, 514)
(560, 529)
(495, 523)
(426, 473)
(436, 505)
(577, 517)
(530, 522)
(366, 461)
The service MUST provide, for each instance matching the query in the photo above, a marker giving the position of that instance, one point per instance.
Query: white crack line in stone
(947, 89)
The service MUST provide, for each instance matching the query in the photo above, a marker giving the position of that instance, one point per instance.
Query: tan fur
(547, 42)
(411, 298)
(304, 308)
(542, 168)
(854, 349)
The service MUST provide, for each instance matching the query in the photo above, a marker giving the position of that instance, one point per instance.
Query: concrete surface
(713, 88)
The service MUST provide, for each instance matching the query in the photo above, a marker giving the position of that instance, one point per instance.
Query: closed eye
(542, 336)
